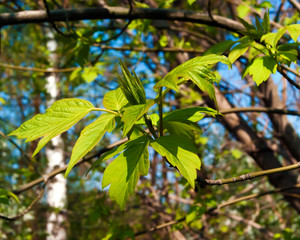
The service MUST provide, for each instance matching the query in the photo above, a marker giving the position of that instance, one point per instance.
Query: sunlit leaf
(123, 173)
(261, 68)
(193, 114)
(181, 153)
(89, 137)
(61, 116)
(8, 194)
(273, 38)
(114, 100)
(196, 70)
(219, 48)
(238, 51)
(133, 113)
(294, 31)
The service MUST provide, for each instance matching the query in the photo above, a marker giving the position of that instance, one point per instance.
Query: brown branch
(144, 49)
(225, 204)
(295, 4)
(62, 169)
(39, 16)
(249, 176)
(48, 70)
(288, 78)
(290, 70)
(260, 109)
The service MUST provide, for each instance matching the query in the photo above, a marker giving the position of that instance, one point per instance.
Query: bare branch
(249, 176)
(40, 16)
(295, 4)
(48, 70)
(62, 169)
(260, 109)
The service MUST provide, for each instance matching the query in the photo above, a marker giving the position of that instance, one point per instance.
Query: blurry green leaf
(273, 38)
(181, 153)
(243, 10)
(89, 137)
(114, 100)
(123, 173)
(294, 31)
(238, 51)
(2, 100)
(266, 22)
(265, 4)
(163, 41)
(261, 68)
(8, 194)
(141, 5)
(89, 74)
(196, 70)
(133, 113)
(61, 116)
(219, 48)
(83, 54)
(75, 74)
(190, 2)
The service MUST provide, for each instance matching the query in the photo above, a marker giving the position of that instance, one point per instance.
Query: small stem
(160, 106)
(139, 128)
(150, 126)
(105, 110)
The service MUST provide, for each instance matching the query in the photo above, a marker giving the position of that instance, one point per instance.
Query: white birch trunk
(57, 187)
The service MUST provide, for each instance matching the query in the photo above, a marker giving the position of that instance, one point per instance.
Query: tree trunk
(57, 187)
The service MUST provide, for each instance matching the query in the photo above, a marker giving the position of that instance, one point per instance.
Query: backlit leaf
(238, 51)
(123, 173)
(61, 116)
(273, 38)
(133, 113)
(89, 137)
(261, 68)
(181, 153)
(114, 100)
(219, 48)
(196, 70)
(294, 31)
(193, 114)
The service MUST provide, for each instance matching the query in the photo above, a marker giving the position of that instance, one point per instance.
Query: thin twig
(249, 176)
(34, 69)
(288, 78)
(62, 169)
(52, 22)
(260, 109)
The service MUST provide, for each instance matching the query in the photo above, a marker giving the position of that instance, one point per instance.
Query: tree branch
(62, 169)
(40, 16)
(295, 4)
(249, 176)
(260, 109)
(288, 78)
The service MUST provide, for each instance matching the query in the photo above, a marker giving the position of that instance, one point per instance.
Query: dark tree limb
(40, 16)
